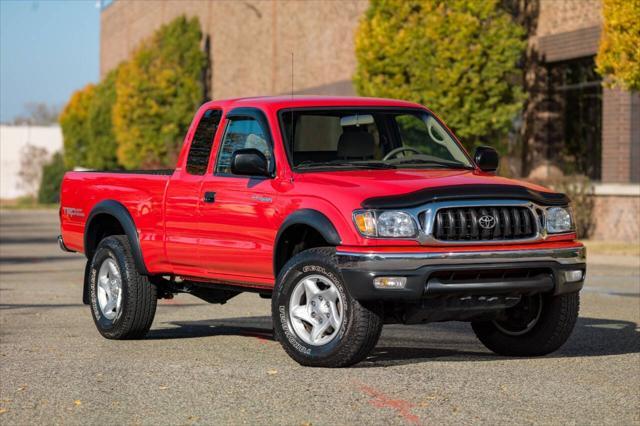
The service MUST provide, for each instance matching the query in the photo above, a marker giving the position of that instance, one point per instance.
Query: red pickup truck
(349, 213)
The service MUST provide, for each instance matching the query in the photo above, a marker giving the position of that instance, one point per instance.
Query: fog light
(389, 282)
(572, 276)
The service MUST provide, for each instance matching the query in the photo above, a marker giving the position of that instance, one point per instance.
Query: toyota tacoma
(348, 213)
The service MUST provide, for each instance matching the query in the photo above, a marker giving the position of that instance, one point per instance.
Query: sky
(48, 49)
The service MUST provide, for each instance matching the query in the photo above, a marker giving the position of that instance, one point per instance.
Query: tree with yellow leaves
(75, 132)
(157, 92)
(619, 54)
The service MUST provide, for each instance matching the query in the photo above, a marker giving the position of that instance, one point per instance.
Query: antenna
(291, 132)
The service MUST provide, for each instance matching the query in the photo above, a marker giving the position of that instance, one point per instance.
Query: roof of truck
(302, 101)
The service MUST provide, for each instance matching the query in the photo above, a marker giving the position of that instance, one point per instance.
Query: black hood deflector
(465, 192)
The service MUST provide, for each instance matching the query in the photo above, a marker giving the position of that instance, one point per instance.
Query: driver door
(237, 213)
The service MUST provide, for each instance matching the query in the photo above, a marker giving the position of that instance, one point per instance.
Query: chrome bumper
(62, 245)
(360, 269)
(410, 261)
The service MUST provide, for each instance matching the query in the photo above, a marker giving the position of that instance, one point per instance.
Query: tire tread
(553, 330)
(142, 294)
(365, 330)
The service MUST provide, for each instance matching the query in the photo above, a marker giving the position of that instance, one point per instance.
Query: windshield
(369, 139)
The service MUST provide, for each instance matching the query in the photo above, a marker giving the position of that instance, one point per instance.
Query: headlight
(558, 220)
(388, 224)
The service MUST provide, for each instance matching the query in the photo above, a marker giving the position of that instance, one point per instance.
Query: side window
(200, 149)
(241, 133)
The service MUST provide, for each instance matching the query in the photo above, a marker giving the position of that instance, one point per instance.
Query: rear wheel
(538, 325)
(315, 318)
(123, 302)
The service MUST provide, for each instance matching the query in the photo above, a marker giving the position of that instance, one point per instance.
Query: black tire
(556, 321)
(139, 295)
(361, 326)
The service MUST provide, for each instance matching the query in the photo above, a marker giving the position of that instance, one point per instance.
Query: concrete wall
(251, 41)
(13, 139)
(616, 211)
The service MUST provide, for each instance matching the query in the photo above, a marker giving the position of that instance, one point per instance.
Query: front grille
(474, 223)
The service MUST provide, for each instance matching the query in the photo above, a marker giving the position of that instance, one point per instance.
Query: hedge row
(137, 115)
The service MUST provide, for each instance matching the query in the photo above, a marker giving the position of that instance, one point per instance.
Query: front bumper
(499, 272)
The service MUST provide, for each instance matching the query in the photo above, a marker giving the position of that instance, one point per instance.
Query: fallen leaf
(272, 372)
(163, 387)
(77, 402)
(193, 418)
(21, 388)
(3, 410)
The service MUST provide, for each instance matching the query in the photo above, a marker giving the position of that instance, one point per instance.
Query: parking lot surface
(218, 364)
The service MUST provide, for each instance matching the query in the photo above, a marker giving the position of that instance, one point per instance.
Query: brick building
(570, 120)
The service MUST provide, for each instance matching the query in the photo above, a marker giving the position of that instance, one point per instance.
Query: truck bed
(140, 191)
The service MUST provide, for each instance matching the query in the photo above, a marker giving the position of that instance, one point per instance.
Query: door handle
(209, 197)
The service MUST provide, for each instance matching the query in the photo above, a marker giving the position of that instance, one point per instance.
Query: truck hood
(361, 185)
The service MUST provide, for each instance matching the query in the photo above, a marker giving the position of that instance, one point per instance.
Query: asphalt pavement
(218, 364)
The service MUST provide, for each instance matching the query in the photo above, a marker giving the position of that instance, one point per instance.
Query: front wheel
(538, 325)
(315, 318)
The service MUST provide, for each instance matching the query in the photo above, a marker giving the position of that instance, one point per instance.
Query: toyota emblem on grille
(487, 222)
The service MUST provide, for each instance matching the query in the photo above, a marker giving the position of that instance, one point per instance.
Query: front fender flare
(313, 218)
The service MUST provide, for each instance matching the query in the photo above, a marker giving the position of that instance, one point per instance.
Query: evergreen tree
(458, 57)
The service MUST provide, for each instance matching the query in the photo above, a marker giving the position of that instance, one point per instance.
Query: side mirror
(486, 158)
(249, 162)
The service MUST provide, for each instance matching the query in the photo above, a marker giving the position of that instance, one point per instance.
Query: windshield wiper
(341, 164)
(448, 164)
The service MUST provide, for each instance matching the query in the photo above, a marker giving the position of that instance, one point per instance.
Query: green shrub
(459, 57)
(52, 173)
(157, 92)
(102, 146)
(87, 126)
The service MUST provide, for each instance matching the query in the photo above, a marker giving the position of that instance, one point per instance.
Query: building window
(576, 92)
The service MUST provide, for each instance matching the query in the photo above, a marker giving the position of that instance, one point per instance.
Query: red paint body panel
(233, 238)
(142, 195)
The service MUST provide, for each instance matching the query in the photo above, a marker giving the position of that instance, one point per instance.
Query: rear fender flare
(122, 215)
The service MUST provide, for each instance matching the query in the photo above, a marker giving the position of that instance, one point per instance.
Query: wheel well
(295, 239)
(102, 225)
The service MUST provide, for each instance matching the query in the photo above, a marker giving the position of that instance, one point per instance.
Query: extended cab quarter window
(200, 151)
(241, 133)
